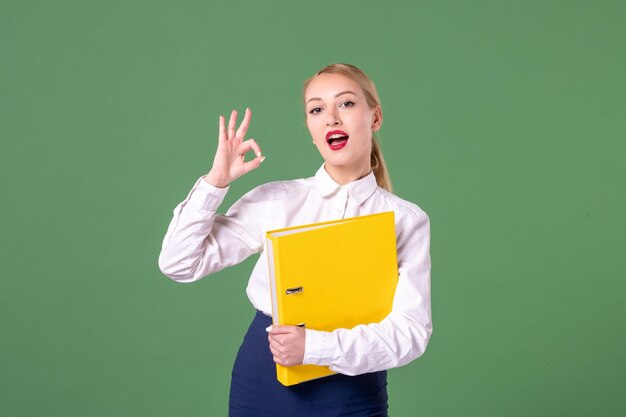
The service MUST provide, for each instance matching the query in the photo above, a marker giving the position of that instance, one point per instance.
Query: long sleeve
(200, 242)
(403, 335)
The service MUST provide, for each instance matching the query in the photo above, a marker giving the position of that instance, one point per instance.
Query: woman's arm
(403, 335)
(198, 241)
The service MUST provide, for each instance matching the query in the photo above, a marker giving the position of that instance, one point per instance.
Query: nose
(332, 118)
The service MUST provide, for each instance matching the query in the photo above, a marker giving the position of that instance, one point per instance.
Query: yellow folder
(330, 275)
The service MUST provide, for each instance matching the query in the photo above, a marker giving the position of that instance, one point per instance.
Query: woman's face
(340, 121)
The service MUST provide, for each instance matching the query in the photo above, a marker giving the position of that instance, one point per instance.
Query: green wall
(504, 120)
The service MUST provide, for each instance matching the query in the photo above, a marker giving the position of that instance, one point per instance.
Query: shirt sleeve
(403, 335)
(199, 242)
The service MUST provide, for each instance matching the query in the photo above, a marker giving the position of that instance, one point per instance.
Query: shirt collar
(358, 190)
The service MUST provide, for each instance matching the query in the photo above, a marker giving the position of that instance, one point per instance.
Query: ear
(377, 121)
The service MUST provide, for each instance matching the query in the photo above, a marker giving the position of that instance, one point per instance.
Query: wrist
(215, 181)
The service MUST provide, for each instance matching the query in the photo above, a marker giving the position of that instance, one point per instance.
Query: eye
(347, 104)
(315, 110)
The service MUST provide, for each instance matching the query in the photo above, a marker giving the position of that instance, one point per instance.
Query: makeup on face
(341, 125)
(337, 139)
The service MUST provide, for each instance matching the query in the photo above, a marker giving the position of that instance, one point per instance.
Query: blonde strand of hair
(380, 167)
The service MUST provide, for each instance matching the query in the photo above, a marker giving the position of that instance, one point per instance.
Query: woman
(343, 113)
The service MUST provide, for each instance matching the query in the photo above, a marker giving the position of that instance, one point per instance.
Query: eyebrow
(336, 95)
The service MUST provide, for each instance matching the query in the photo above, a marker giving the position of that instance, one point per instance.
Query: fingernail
(268, 328)
(262, 159)
(258, 153)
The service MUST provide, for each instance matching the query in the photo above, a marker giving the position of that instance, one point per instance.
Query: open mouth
(337, 139)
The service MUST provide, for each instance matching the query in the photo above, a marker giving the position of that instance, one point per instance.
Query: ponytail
(379, 167)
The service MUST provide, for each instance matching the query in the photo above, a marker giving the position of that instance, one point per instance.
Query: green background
(504, 121)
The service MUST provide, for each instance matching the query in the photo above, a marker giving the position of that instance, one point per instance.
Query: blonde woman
(343, 113)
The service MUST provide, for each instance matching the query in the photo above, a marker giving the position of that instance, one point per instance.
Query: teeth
(336, 136)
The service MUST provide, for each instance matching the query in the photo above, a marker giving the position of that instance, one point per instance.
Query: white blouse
(200, 242)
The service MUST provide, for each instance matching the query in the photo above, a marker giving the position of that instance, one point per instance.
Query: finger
(276, 330)
(247, 146)
(222, 135)
(255, 147)
(231, 125)
(253, 164)
(277, 341)
(276, 352)
(283, 360)
(279, 357)
(243, 128)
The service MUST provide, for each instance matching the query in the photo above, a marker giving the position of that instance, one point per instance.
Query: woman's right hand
(229, 162)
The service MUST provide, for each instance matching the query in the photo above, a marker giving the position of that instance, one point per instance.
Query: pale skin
(333, 102)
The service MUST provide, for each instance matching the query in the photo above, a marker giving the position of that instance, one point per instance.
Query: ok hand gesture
(229, 162)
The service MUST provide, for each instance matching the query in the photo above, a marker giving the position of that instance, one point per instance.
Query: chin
(342, 162)
(341, 159)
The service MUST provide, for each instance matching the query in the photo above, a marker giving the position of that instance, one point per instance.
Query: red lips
(336, 139)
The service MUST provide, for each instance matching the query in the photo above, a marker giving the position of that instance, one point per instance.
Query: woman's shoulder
(402, 208)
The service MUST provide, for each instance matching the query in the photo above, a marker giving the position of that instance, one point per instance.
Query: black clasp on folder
(295, 290)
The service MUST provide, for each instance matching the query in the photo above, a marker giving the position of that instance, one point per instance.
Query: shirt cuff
(319, 348)
(206, 197)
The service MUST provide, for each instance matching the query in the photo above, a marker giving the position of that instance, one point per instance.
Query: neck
(344, 174)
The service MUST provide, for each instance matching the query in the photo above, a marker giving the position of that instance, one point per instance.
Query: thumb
(276, 329)
(254, 163)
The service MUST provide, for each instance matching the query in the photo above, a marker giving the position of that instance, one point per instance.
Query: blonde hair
(371, 95)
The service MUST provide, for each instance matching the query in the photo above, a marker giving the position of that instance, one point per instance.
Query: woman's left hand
(287, 344)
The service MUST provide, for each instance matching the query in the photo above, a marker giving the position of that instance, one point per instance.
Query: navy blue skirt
(255, 391)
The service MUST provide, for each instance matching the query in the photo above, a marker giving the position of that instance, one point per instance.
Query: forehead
(327, 85)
